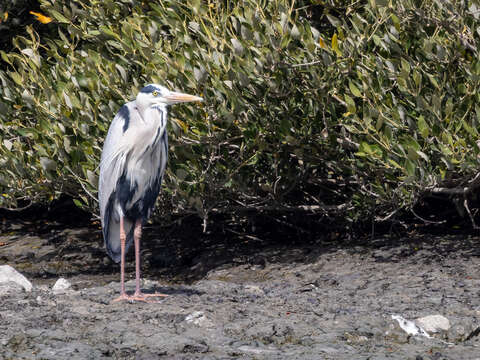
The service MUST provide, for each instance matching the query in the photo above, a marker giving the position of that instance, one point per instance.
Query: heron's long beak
(176, 97)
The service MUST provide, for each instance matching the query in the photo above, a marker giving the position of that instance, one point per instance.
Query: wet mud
(239, 297)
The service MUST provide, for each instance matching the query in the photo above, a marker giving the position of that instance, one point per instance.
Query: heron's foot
(139, 296)
(122, 297)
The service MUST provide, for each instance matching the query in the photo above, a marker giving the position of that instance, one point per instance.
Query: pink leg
(123, 238)
(138, 295)
(137, 234)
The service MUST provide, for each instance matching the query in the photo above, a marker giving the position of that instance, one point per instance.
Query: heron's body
(131, 171)
(134, 159)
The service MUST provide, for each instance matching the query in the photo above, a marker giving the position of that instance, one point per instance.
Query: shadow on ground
(66, 242)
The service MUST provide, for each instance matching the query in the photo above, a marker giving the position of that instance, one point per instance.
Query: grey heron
(132, 166)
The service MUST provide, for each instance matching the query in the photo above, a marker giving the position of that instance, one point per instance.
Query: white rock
(198, 318)
(433, 323)
(256, 350)
(61, 286)
(9, 274)
(195, 318)
(410, 327)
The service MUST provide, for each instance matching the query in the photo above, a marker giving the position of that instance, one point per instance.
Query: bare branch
(458, 192)
(465, 205)
(425, 220)
(307, 64)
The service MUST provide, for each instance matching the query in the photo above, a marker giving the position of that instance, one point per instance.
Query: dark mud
(236, 297)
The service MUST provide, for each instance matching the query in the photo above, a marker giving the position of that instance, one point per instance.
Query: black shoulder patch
(125, 113)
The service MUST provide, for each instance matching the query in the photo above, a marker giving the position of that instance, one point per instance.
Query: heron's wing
(111, 169)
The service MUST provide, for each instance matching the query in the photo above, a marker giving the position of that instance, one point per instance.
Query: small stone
(396, 333)
(200, 347)
(462, 329)
(258, 350)
(61, 286)
(198, 318)
(9, 274)
(433, 323)
(410, 327)
(355, 338)
(254, 289)
(43, 288)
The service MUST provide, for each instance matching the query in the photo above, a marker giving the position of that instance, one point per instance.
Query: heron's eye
(155, 93)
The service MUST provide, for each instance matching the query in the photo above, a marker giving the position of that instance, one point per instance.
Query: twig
(377, 218)
(307, 64)
(449, 191)
(81, 184)
(461, 191)
(465, 205)
(472, 185)
(427, 221)
(18, 209)
(286, 208)
(251, 237)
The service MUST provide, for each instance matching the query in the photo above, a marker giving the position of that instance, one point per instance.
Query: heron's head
(154, 94)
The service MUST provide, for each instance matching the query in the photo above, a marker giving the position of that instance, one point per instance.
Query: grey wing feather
(111, 168)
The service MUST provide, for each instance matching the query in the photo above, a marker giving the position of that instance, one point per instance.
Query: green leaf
(334, 20)
(355, 91)
(59, 17)
(433, 81)
(17, 78)
(423, 127)
(410, 167)
(395, 164)
(351, 108)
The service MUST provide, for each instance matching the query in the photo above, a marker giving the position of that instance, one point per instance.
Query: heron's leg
(137, 234)
(123, 238)
(139, 296)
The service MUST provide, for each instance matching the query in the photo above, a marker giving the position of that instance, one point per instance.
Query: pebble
(9, 274)
(410, 327)
(61, 286)
(433, 323)
(254, 290)
(198, 318)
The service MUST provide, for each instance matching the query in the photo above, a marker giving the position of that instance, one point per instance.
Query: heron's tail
(111, 234)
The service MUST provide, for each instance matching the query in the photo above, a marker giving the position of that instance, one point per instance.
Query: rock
(198, 318)
(409, 327)
(11, 289)
(355, 338)
(433, 323)
(255, 348)
(254, 290)
(45, 302)
(61, 286)
(199, 347)
(9, 274)
(257, 351)
(463, 329)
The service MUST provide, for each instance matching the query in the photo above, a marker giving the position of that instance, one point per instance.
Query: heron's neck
(154, 126)
(155, 116)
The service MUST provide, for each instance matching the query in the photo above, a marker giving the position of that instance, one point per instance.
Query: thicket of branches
(354, 107)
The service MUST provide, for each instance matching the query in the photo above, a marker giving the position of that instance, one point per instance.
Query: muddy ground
(239, 297)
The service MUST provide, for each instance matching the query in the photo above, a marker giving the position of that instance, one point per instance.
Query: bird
(132, 166)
